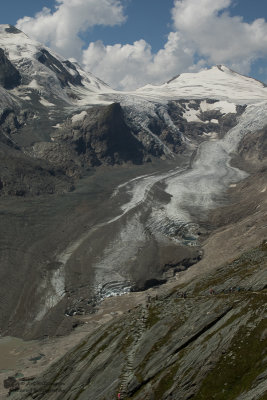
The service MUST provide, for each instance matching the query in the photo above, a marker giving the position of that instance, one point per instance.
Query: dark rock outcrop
(24, 176)
(11, 121)
(100, 138)
(104, 137)
(252, 151)
(209, 121)
(20, 173)
(9, 75)
(13, 29)
(58, 68)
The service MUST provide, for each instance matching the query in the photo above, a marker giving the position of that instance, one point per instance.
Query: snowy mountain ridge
(219, 82)
(45, 72)
(165, 119)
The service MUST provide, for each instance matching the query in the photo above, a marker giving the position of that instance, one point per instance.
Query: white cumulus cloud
(133, 65)
(203, 30)
(60, 29)
(219, 37)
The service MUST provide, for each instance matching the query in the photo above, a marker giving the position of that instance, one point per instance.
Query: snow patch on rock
(78, 117)
(225, 107)
(46, 103)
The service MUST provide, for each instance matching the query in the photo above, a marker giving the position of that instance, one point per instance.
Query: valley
(133, 231)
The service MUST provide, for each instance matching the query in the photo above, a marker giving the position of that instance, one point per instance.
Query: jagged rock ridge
(9, 75)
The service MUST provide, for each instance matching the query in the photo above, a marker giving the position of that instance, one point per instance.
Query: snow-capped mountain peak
(17, 44)
(37, 71)
(218, 82)
(44, 73)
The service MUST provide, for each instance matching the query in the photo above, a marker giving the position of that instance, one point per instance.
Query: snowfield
(219, 83)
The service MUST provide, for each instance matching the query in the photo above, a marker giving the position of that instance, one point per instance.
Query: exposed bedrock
(252, 152)
(11, 122)
(99, 137)
(9, 75)
(22, 176)
(57, 67)
(198, 122)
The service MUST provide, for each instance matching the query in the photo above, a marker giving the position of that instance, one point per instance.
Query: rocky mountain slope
(201, 340)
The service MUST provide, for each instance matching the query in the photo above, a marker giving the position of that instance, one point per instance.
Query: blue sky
(132, 42)
(146, 19)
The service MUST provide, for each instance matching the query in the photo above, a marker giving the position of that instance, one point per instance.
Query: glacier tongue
(192, 192)
(211, 171)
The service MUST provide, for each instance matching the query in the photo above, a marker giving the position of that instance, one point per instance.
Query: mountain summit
(218, 82)
(44, 73)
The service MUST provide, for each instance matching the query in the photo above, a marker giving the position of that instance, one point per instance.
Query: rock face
(22, 176)
(104, 137)
(197, 122)
(10, 123)
(202, 340)
(64, 76)
(9, 75)
(252, 151)
(99, 137)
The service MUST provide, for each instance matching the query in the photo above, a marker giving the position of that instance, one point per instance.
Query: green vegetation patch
(153, 316)
(237, 370)
(166, 382)
(240, 268)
